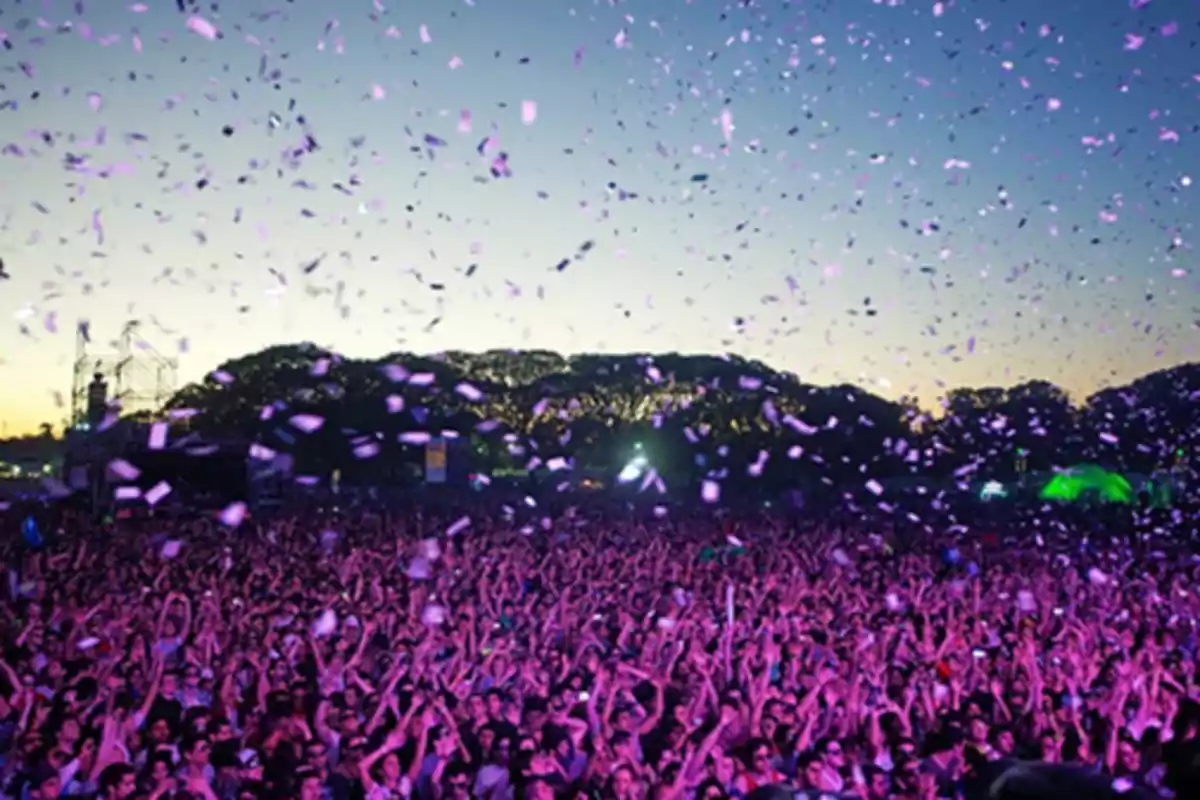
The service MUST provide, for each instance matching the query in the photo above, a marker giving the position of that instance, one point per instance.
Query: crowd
(376, 656)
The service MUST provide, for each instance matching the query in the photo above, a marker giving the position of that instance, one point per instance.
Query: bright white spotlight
(633, 470)
(991, 490)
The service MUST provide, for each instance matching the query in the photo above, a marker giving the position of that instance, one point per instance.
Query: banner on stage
(435, 461)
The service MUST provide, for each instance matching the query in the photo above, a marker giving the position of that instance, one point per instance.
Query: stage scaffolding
(140, 380)
(114, 395)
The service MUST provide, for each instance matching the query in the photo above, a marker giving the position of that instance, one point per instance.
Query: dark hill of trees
(695, 414)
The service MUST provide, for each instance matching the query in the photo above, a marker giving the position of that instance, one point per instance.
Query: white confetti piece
(433, 616)
(326, 624)
(156, 493)
(430, 550)
(202, 27)
(458, 526)
(308, 423)
(158, 436)
(123, 470)
(233, 514)
(419, 569)
(469, 392)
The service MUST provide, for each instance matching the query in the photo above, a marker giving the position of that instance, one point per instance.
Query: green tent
(1088, 479)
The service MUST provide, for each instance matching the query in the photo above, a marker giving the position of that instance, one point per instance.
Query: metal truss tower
(140, 380)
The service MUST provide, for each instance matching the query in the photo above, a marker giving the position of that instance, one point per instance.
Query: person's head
(501, 750)
(353, 751)
(1003, 741)
(487, 739)
(879, 785)
(809, 770)
(299, 696)
(30, 743)
(721, 766)
(117, 782)
(44, 784)
(978, 731)
(220, 729)
(58, 758)
(309, 784)
(1048, 747)
(711, 790)
(1129, 755)
(477, 706)
(622, 782)
(623, 745)
(195, 751)
(316, 755)
(538, 789)
(456, 782)
(903, 748)
(495, 704)
(160, 767)
(169, 686)
(527, 748)
(758, 756)
(769, 726)
(927, 780)
(389, 765)
(68, 733)
(831, 753)
(160, 731)
(196, 722)
(535, 713)
(191, 677)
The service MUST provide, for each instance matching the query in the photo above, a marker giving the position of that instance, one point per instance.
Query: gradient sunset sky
(905, 194)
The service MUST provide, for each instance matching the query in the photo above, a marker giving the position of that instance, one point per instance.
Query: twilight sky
(906, 194)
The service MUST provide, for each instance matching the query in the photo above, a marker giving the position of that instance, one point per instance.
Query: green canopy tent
(1087, 480)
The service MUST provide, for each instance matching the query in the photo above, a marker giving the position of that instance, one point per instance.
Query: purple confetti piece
(308, 423)
(233, 515)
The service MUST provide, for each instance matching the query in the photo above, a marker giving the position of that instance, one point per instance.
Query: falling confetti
(528, 112)
(957, 224)
(202, 27)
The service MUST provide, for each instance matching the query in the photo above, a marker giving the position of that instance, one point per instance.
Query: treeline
(691, 416)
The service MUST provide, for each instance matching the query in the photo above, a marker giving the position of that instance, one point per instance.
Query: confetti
(202, 27)
(157, 493)
(326, 624)
(528, 112)
(233, 515)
